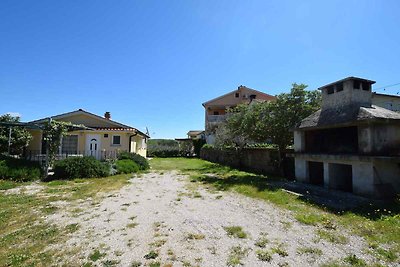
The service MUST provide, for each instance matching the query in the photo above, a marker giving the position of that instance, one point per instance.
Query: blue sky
(152, 63)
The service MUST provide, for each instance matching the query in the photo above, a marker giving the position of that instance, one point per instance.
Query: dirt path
(185, 226)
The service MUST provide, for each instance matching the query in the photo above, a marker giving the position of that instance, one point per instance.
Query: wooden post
(46, 167)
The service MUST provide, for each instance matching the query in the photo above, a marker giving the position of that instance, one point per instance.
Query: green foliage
(19, 170)
(163, 148)
(263, 255)
(53, 132)
(126, 166)
(166, 148)
(96, 255)
(271, 121)
(235, 231)
(198, 144)
(353, 260)
(142, 162)
(20, 137)
(151, 255)
(80, 167)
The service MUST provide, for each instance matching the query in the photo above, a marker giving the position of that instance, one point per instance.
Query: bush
(139, 160)
(80, 167)
(127, 166)
(163, 148)
(19, 170)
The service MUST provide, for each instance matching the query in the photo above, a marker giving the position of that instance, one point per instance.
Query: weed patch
(235, 231)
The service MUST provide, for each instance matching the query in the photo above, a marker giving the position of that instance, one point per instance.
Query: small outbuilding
(350, 144)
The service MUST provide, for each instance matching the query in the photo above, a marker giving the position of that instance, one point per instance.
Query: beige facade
(102, 137)
(216, 109)
(391, 102)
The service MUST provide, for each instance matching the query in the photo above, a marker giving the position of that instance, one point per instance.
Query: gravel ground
(185, 224)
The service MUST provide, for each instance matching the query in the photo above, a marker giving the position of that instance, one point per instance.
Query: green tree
(273, 121)
(20, 137)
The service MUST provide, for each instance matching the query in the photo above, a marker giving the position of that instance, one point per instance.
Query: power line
(390, 85)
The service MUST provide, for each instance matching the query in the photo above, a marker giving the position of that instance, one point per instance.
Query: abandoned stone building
(350, 144)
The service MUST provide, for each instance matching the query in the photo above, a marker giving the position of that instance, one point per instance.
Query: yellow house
(103, 138)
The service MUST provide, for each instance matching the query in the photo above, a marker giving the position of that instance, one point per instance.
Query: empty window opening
(253, 97)
(236, 95)
(316, 172)
(356, 84)
(333, 141)
(341, 177)
(366, 86)
(330, 90)
(339, 87)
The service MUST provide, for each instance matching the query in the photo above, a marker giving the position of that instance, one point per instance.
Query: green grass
(236, 255)
(4, 184)
(235, 231)
(96, 255)
(263, 255)
(377, 222)
(332, 237)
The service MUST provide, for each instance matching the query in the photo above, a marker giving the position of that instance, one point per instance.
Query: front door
(93, 145)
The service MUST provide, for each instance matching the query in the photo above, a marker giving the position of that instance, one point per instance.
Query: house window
(236, 95)
(216, 113)
(330, 90)
(69, 144)
(366, 86)
(356, 84)
(339, 87)
(116, 140)
(105, 135)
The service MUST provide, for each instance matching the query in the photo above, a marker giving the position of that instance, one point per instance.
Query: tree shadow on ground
(327, 200)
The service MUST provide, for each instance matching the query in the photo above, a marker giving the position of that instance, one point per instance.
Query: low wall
(259, 160)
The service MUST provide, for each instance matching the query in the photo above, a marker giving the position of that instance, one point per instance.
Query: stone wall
(259, 160)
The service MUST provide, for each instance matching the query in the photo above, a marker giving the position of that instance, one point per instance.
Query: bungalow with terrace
(101, 137)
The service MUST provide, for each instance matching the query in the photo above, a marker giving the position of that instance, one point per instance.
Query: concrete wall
(260, 160)
(372, 177)
(349, 95)
(386, 101)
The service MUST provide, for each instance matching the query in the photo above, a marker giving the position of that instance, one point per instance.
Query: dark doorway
(316, 172)
(341, 177)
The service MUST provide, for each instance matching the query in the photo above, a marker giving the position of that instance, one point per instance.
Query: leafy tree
(271, 121)
(20, 137)
(232, 133)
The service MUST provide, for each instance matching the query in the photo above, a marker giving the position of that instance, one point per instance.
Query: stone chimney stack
(349, 91)
(107, 115)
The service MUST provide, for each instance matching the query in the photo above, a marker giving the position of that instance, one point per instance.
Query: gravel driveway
(185, 225)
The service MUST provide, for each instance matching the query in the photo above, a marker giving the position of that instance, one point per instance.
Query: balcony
(215, 118)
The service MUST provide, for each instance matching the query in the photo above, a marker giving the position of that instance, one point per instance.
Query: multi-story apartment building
(216, 109)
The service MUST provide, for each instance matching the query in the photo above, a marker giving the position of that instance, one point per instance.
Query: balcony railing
(215, 118)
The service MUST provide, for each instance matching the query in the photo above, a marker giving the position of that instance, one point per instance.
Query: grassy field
(378, 224)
